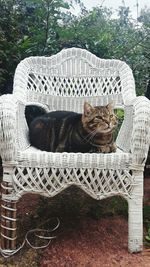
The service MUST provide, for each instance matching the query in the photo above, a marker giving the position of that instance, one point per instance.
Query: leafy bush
(44, 27)
(146, 215)
(120, 115)
(27, 27)
(147, 238)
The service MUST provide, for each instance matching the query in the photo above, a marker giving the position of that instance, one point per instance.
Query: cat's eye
(98, 117)
(111, 116)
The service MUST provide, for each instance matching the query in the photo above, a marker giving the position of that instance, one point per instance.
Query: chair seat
(99, 175)
(33, 157)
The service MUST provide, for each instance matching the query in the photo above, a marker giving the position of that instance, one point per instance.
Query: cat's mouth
(108, 129)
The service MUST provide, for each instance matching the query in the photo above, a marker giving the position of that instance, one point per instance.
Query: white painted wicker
(64, 81)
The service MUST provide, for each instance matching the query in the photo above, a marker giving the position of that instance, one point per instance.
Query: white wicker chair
(63, 82)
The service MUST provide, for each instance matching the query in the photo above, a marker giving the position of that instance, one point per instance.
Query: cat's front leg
(107, 148)
(113, 148)
(104, 149)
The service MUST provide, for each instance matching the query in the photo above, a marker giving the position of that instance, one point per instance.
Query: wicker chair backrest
(67, 79)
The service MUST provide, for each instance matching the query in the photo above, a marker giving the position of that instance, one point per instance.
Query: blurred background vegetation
(44, 27)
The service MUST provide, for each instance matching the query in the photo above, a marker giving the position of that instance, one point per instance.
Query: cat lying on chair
(65, 131)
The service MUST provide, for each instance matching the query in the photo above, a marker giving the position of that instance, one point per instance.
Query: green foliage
(108, 207)
(120, 115)
(71, 202)
(44, 27)
(147, 237)
(146, 215)
(27, 27)
(75, 203)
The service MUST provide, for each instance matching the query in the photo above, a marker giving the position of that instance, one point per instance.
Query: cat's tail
(33, 111)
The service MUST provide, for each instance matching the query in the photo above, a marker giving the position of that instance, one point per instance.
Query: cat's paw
(108, 148)
(113, 148)
(104, 149)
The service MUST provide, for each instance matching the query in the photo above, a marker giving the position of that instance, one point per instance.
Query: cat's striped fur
(65, 131)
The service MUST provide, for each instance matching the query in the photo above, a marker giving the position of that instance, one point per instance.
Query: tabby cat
(65, 131)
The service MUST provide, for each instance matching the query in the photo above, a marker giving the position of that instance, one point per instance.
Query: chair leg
(135, 221)
(8, 220)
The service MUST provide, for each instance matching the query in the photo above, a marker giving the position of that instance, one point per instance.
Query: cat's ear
(88, 109)
(110, 106)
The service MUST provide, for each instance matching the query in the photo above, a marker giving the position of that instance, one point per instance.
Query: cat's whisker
(86, 137)
(90, 136)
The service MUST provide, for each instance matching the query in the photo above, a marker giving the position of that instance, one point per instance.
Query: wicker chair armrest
(140, 137)
(8, 129)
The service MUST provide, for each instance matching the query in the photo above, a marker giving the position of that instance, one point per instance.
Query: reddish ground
(81, 241)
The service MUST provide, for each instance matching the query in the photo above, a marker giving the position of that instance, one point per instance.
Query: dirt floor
(84, 239)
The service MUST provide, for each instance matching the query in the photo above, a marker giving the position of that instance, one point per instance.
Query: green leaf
(147, 238)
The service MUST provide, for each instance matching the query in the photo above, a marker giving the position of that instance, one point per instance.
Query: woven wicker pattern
(50, 181)
(74, 73)
(81, 86)
(64, 81)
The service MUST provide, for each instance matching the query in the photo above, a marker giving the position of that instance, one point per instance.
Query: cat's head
(100, 119)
